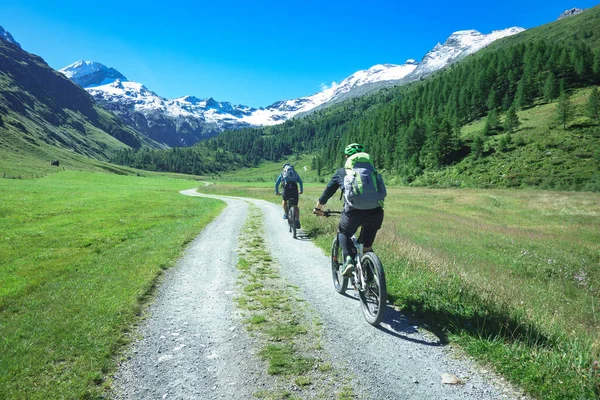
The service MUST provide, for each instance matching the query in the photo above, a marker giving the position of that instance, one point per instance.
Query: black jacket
(336, 182)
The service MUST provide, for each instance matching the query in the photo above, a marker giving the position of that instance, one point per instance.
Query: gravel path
(193, 343)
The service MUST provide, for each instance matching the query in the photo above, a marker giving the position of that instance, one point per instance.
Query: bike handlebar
(328, 213)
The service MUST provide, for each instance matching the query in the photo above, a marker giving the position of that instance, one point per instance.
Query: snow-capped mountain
(184, 121)
(281, 111)
(89, 74)
(459, 45)
(178, 122)
(8, 37)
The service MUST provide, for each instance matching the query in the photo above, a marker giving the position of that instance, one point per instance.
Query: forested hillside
(522, 98)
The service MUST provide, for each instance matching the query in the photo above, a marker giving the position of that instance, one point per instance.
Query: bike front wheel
(373, 298)
(340, 282)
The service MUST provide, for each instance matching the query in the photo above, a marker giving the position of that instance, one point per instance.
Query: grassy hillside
(80, 252)
(510, 275)
(44, 116)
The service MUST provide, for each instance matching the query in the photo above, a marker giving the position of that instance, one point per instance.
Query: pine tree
(492, 100)
(593, 105)
(491, 123)
(596, 67)
(550, 87)
(512, 120)
(525, 91)
(477, 147)
(505, 142)
(564, 110)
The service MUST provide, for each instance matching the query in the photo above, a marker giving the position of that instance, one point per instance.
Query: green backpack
(364, 188)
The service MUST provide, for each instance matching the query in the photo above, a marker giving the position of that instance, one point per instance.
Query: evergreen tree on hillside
(596, 68)
(492, 123)
(505, 142)
(492, 100)
(564, 110)
(525, 90)
(477, 147)
(512, 120)
(551, 89)
(593, 105)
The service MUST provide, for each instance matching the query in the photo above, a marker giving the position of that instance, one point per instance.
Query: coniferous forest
(416, 130)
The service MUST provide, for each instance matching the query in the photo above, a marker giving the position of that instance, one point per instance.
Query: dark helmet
(353, 149)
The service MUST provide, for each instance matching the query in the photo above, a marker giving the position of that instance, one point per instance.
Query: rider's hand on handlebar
(278, 194)
(318, 211)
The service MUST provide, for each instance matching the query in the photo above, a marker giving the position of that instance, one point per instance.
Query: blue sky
(253, 52)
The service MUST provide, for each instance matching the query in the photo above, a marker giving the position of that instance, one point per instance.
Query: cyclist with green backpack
(289, 180)
(364, 193)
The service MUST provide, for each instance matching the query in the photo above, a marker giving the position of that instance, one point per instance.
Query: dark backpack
(363, 185)
(289, 174)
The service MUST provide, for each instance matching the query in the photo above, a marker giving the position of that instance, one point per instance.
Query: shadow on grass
(488, 322)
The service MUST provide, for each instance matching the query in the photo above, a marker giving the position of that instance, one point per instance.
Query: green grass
(266, 173)
(287, 336)
(511, 275)
(80, 253)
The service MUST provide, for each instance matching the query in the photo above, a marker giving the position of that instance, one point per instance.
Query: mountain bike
(291, 214)
(368, 279)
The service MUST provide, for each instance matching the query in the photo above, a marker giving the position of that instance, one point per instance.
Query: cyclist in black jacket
(351, 219)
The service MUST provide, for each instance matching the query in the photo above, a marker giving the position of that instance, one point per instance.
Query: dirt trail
(193, 343)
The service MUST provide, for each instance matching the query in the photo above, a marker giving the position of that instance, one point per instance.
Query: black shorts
(290, 191)
(370, 220)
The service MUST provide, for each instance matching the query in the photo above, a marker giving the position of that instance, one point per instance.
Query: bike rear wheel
(340, 282)
(292, 220)
(373, 299)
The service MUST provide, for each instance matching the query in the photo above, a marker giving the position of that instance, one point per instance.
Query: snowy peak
(458, 45)
(570, 13)
(89, 74)
(8, 37)
(380, 72)
(111, 88)
(283, 110)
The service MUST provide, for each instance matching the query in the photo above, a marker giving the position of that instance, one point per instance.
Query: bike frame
(369, 298)
(358, 279)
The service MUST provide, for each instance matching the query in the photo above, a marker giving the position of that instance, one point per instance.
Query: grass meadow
(513, 276)
(80, 252)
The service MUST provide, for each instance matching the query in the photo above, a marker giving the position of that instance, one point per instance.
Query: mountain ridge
(191, 119)
(41, 110)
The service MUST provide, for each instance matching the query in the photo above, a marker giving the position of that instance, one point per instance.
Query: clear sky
(253, 52)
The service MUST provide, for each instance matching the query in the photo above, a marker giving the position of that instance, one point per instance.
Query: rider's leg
(347, 227)
(284, 205)
(370, 229)
(369, 232)
(348, 248)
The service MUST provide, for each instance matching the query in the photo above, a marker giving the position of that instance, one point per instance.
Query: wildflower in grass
(581, 278)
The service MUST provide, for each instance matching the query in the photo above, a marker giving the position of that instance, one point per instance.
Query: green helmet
(353, 149)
